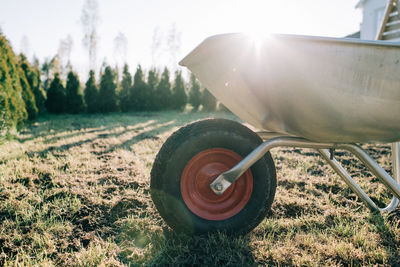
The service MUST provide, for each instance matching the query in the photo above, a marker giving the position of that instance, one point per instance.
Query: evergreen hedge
(108, 94)
(208, 101)
(32, 74)
(74, 96)
(194, 94)
(56, 96)
(125, 93)
(25, 71)
(163, 93)
(179, 98)
(139, 94)
(13, 112)
(153, 79)
(92, 94)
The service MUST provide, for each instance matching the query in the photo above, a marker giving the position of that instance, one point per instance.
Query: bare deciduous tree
(120, 48)
(90, 19)
(64, 53)
(173, 43)
(65, 48)
(156, 44)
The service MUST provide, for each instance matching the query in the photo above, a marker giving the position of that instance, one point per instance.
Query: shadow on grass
(171, 249)
(51, 127)
(212, 250)
(103, 129)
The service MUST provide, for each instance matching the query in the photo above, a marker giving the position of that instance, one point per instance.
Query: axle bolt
(218, 187)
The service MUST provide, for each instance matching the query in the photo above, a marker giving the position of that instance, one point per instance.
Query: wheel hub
(201, 171)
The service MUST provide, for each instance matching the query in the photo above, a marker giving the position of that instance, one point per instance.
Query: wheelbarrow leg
(391, 183)
(395, 174)
(348, 180)
(374, 167)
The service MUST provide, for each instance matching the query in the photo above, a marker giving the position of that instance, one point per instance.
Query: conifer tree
(74, 103)
(46, 69)
(139, 96)
(152, 82)
(178, 92)
(194, 93)
(56, 96)
(12, 106)
(92, 94)
(223, 108)
(126, 87)
(163, 94)
(27, 95)
(37, 87)
(5, 123)
(107, 95)
(208, 101)
(32, 75)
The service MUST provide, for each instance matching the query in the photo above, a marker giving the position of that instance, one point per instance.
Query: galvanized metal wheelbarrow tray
(308, 92)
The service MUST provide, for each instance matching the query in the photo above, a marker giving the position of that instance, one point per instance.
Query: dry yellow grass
(74, 190)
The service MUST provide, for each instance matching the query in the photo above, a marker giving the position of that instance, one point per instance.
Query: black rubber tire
(181, 147)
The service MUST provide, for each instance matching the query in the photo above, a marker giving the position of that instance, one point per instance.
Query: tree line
(151, 91)
(23, 95)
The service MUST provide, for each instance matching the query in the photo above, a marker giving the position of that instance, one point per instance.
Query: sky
(36, 27)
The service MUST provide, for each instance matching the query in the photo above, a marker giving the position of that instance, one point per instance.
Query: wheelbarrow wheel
(191, 159)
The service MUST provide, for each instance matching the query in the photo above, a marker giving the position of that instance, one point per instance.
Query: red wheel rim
(201, 170)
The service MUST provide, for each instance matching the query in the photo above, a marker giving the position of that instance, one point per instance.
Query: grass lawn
(74, 190)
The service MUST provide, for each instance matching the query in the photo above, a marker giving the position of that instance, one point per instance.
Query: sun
(256, 23)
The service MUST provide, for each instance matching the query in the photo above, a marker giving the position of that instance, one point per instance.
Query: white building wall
(373, 11)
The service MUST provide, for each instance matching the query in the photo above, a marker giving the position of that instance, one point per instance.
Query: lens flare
(257, 39)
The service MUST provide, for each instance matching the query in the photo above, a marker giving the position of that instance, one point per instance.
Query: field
(74, 190)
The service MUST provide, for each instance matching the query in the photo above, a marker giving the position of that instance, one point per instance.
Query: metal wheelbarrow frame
(326, 150)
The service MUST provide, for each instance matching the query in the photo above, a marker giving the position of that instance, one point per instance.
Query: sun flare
(257, 22)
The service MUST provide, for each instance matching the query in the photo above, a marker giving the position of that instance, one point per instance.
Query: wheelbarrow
(299, 91)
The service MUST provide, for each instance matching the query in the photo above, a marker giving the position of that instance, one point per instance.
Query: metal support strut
(223, 181)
